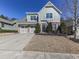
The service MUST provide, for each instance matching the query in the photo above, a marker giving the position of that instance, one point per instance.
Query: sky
(18, 8)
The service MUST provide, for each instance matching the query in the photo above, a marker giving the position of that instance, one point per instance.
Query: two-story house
(49, 13)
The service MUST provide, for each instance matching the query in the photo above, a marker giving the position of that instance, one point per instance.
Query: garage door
(26, 30)
(31, 30)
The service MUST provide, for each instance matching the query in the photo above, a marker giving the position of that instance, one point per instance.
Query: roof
(51, 5)
(32, 13)
(25, 22)
(6, 21)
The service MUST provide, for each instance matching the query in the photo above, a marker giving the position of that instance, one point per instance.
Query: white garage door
(31, 30)
(26, 30)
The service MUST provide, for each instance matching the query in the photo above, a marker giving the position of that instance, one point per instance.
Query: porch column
(41, 28)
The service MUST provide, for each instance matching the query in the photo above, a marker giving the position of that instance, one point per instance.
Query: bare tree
(72, 7)
(75, 16)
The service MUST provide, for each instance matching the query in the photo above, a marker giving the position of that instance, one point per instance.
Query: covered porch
(44, 26)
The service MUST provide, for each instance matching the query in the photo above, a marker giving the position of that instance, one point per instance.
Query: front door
(43, 28)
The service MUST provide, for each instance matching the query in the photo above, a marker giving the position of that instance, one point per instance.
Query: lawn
(56, 44)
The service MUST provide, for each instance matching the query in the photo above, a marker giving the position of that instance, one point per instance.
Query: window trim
(33, 17)
(49, 15)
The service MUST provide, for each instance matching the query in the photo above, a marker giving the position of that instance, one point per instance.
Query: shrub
(0, 28)
(49, 28)
(8, 31)
(37, 28)
(59, 29)
(70, 30)
(62, 28)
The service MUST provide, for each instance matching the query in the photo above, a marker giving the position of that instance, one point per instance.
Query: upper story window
(49, 15)
(2, 24)
(33, 17)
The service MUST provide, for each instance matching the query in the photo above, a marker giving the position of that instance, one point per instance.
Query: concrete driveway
(15, 41)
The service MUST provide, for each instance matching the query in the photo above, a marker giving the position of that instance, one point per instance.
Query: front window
(33, 18)
(49, 15)
(2, 24)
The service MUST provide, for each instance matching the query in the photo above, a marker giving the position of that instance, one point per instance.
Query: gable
(50, 5)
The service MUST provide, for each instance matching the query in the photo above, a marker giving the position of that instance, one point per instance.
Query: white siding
(42, 14)
(9, 27)
(29, 18)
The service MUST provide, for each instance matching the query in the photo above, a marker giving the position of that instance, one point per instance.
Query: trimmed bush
(62, 28)
(37, 28)
(59, 29)
(8, 31)
(49, 28)
(0, 28)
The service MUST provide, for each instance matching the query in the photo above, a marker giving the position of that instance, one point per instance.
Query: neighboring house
(49, 13)
(7, 25)
(69, 24)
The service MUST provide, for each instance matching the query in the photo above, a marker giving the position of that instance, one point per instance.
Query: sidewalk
(35, 55)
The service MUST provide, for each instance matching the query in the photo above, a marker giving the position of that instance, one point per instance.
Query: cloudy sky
(17, 8)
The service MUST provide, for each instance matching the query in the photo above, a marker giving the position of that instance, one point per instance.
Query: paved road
(11, 48)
